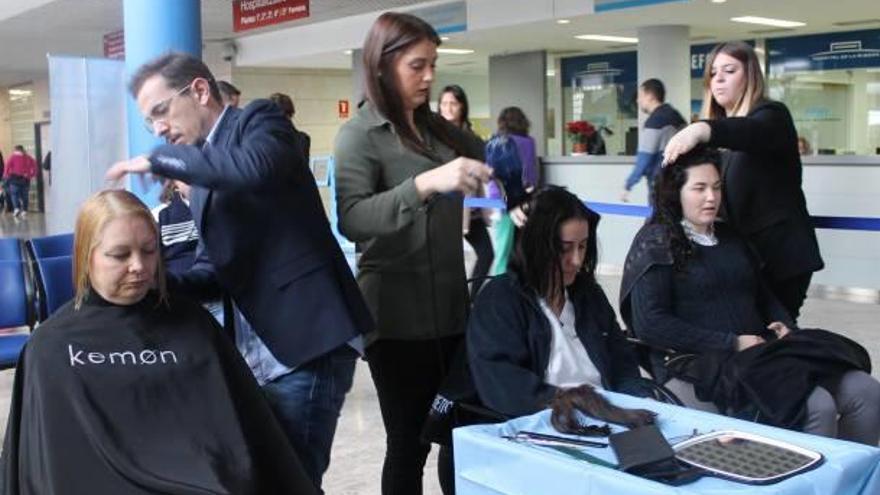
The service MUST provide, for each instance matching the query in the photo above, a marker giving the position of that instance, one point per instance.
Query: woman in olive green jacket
(401, 171)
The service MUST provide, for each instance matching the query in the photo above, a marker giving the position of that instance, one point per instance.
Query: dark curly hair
(536, 255)
(667, 199)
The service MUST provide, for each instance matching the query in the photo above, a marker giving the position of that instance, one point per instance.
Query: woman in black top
(546, 324)
(691, 285)
(763, 199)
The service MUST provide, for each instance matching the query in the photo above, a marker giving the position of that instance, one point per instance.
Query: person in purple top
(513, 126)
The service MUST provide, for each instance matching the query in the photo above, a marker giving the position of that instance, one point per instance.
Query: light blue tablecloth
(487, 464)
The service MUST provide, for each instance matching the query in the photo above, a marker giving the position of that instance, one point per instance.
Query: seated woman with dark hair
(547, 324)
(128, 390)
(692, 286)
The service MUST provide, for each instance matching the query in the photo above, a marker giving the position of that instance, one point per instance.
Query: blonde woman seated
(128, 390)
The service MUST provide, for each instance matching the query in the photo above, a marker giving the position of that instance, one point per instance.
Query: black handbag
(644, 452)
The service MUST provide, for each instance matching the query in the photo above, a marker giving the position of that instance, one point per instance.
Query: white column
(520, 79)
(357, 78)
(664, 54)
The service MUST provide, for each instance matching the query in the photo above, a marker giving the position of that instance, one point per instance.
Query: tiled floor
(358, 452)
(34, 224)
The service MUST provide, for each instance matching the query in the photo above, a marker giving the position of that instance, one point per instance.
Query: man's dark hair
(228, 89)
(656, 88)
(178, 70)
(19, 147)
(285, 103)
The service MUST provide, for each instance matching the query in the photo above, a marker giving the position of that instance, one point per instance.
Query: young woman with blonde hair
(761, 172)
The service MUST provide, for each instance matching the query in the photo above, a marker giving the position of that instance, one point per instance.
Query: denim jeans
(18, 192)
(307, 402)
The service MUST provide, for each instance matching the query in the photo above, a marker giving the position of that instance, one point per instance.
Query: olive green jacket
(411, 269)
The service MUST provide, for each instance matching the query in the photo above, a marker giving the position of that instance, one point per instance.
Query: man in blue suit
(264, 239)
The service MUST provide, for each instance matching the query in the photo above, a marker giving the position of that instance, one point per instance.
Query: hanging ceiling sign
(829, 51)
(252, 14)
(606, 5)
(699, 54)
(594, 70)
(446, 18)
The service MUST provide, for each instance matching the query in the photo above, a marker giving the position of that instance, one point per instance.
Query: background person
(662, 123)
(401, 173)
(17, 174)
(286, 104)
(127, 389)
(804, 147)
(763, 198)
(517, 171)
(229, 94)
(453, 105)
(5, 199)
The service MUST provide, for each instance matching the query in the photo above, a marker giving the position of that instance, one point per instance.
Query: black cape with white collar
(142, 399)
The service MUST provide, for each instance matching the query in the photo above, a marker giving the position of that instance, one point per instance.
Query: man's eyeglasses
(160, 109)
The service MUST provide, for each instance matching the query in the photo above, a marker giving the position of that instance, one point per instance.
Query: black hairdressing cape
(142, 399)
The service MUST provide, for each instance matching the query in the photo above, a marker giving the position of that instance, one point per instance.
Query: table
(485, 463)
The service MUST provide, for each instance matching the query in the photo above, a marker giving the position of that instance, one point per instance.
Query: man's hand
(137, 165)
(624, 196)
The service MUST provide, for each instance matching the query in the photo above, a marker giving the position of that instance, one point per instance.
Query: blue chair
(10, 349)
(52, 246)
(14, 310)
(53, 271)
(55, 283)
(10, 249)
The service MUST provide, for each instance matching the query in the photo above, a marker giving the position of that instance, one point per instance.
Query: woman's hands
(779, 329)
(743, 342)
(462, 174)
(686, 140)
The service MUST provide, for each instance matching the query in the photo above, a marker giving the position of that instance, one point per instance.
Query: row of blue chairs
(36, 278)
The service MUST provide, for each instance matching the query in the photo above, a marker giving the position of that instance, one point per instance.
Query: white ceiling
(709, 22)
(30, 29)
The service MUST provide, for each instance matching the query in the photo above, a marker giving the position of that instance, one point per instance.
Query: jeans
(307, 402)
(18, 191)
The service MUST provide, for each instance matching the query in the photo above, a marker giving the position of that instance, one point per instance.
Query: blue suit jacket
(264, 235)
